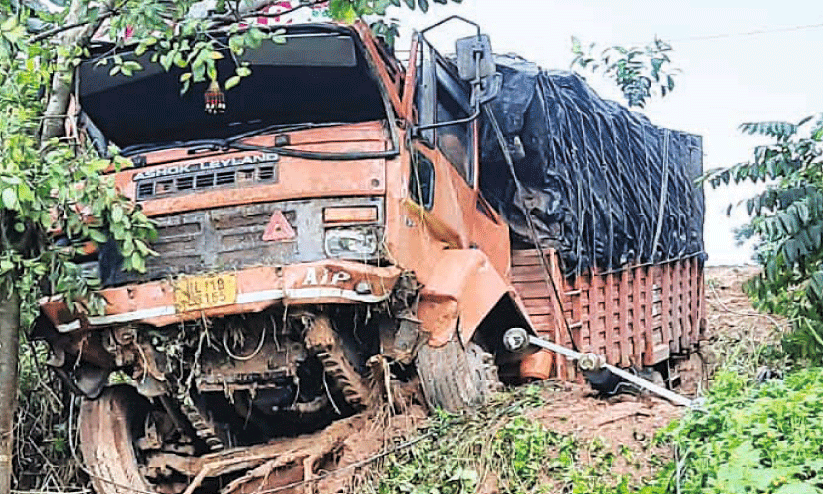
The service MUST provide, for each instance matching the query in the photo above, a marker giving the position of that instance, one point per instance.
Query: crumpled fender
(463, 286)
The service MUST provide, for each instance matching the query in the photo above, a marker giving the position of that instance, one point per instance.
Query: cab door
(448, 141)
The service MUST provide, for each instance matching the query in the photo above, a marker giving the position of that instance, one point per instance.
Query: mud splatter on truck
(322, 224)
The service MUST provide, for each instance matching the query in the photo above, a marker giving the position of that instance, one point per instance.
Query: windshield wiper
(216, 144)
(212, 144)
(233, 143)
(317, 155)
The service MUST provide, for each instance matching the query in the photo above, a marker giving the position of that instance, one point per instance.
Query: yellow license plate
(204, 292)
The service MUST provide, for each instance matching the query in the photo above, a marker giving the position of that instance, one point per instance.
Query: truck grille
(230, 238)
(157, 187)
(225, 238)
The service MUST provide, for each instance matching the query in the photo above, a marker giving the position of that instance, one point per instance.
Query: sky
(727, 78)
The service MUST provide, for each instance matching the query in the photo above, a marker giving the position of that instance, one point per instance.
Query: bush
(750, 438)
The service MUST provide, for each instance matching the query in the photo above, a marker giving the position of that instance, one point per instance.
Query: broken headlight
(351, 243)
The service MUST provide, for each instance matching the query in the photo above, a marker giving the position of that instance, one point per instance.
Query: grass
(751, 437)
(500, 449)
(42, 457)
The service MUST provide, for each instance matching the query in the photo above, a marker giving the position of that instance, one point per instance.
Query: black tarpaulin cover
(605, 186)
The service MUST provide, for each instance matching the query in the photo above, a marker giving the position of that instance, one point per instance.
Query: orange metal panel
(695, 301)
(648, 300)
(153, 303)
(560, 319)
(595, 322)
(538, 307)
(700, 318)
(631, 316)
(391, 86)
(407, 106)
(676, 329)
(639, 308)
(534, 290)
(686, 310)
(450, 294)
(583, 312)
(626, 348)
(701, 302)
(685, 297)
(297, 178)
(354, 214)
(614, 352)
(526, 273)
(525, 258)
(666, 303)
(539, 365)
(357, 134)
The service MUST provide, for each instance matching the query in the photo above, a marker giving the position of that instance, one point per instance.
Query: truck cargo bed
(637, 316)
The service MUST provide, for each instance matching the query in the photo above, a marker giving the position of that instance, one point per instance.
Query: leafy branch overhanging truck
(340, 216)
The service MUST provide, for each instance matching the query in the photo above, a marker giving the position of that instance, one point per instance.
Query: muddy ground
(624, 424)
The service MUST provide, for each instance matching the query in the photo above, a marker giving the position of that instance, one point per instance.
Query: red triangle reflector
(278, 228)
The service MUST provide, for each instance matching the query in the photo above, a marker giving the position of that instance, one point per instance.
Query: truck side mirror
(474, 58)
(475, 63)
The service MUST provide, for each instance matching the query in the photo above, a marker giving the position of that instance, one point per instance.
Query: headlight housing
(352, 243)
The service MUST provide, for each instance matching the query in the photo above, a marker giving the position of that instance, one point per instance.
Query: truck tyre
(457, 379)
(106, 440)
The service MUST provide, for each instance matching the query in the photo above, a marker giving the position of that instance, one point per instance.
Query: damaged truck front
(303, 251)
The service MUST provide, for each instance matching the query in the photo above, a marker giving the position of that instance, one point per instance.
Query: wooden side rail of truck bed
(636, 316)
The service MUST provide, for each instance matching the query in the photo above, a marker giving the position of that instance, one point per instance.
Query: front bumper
(153, 303)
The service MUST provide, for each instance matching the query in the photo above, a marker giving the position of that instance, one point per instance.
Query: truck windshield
(315, 77)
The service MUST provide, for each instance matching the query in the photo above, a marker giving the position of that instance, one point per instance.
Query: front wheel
(457, 379)
(106, 438)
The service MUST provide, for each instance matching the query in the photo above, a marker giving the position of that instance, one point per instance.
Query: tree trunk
(9, 345)
(54, 116)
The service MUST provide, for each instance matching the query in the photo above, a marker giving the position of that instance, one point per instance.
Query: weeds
(42, 455)
(502, 450)
(751, 438)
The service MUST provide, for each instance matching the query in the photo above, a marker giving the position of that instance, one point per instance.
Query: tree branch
(61, 86)
(251, 11)
(60, 29)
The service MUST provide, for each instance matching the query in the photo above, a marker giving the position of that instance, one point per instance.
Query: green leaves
(787, 221)
(388, 32)
(502, 448)
(54, 197)
(637, 71)
(343, 11)
(350, 10)
(798, 488)
(752, 438)
(779, 130)
(231, 82)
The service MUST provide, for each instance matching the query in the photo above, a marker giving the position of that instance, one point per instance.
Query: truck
(342, 225)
